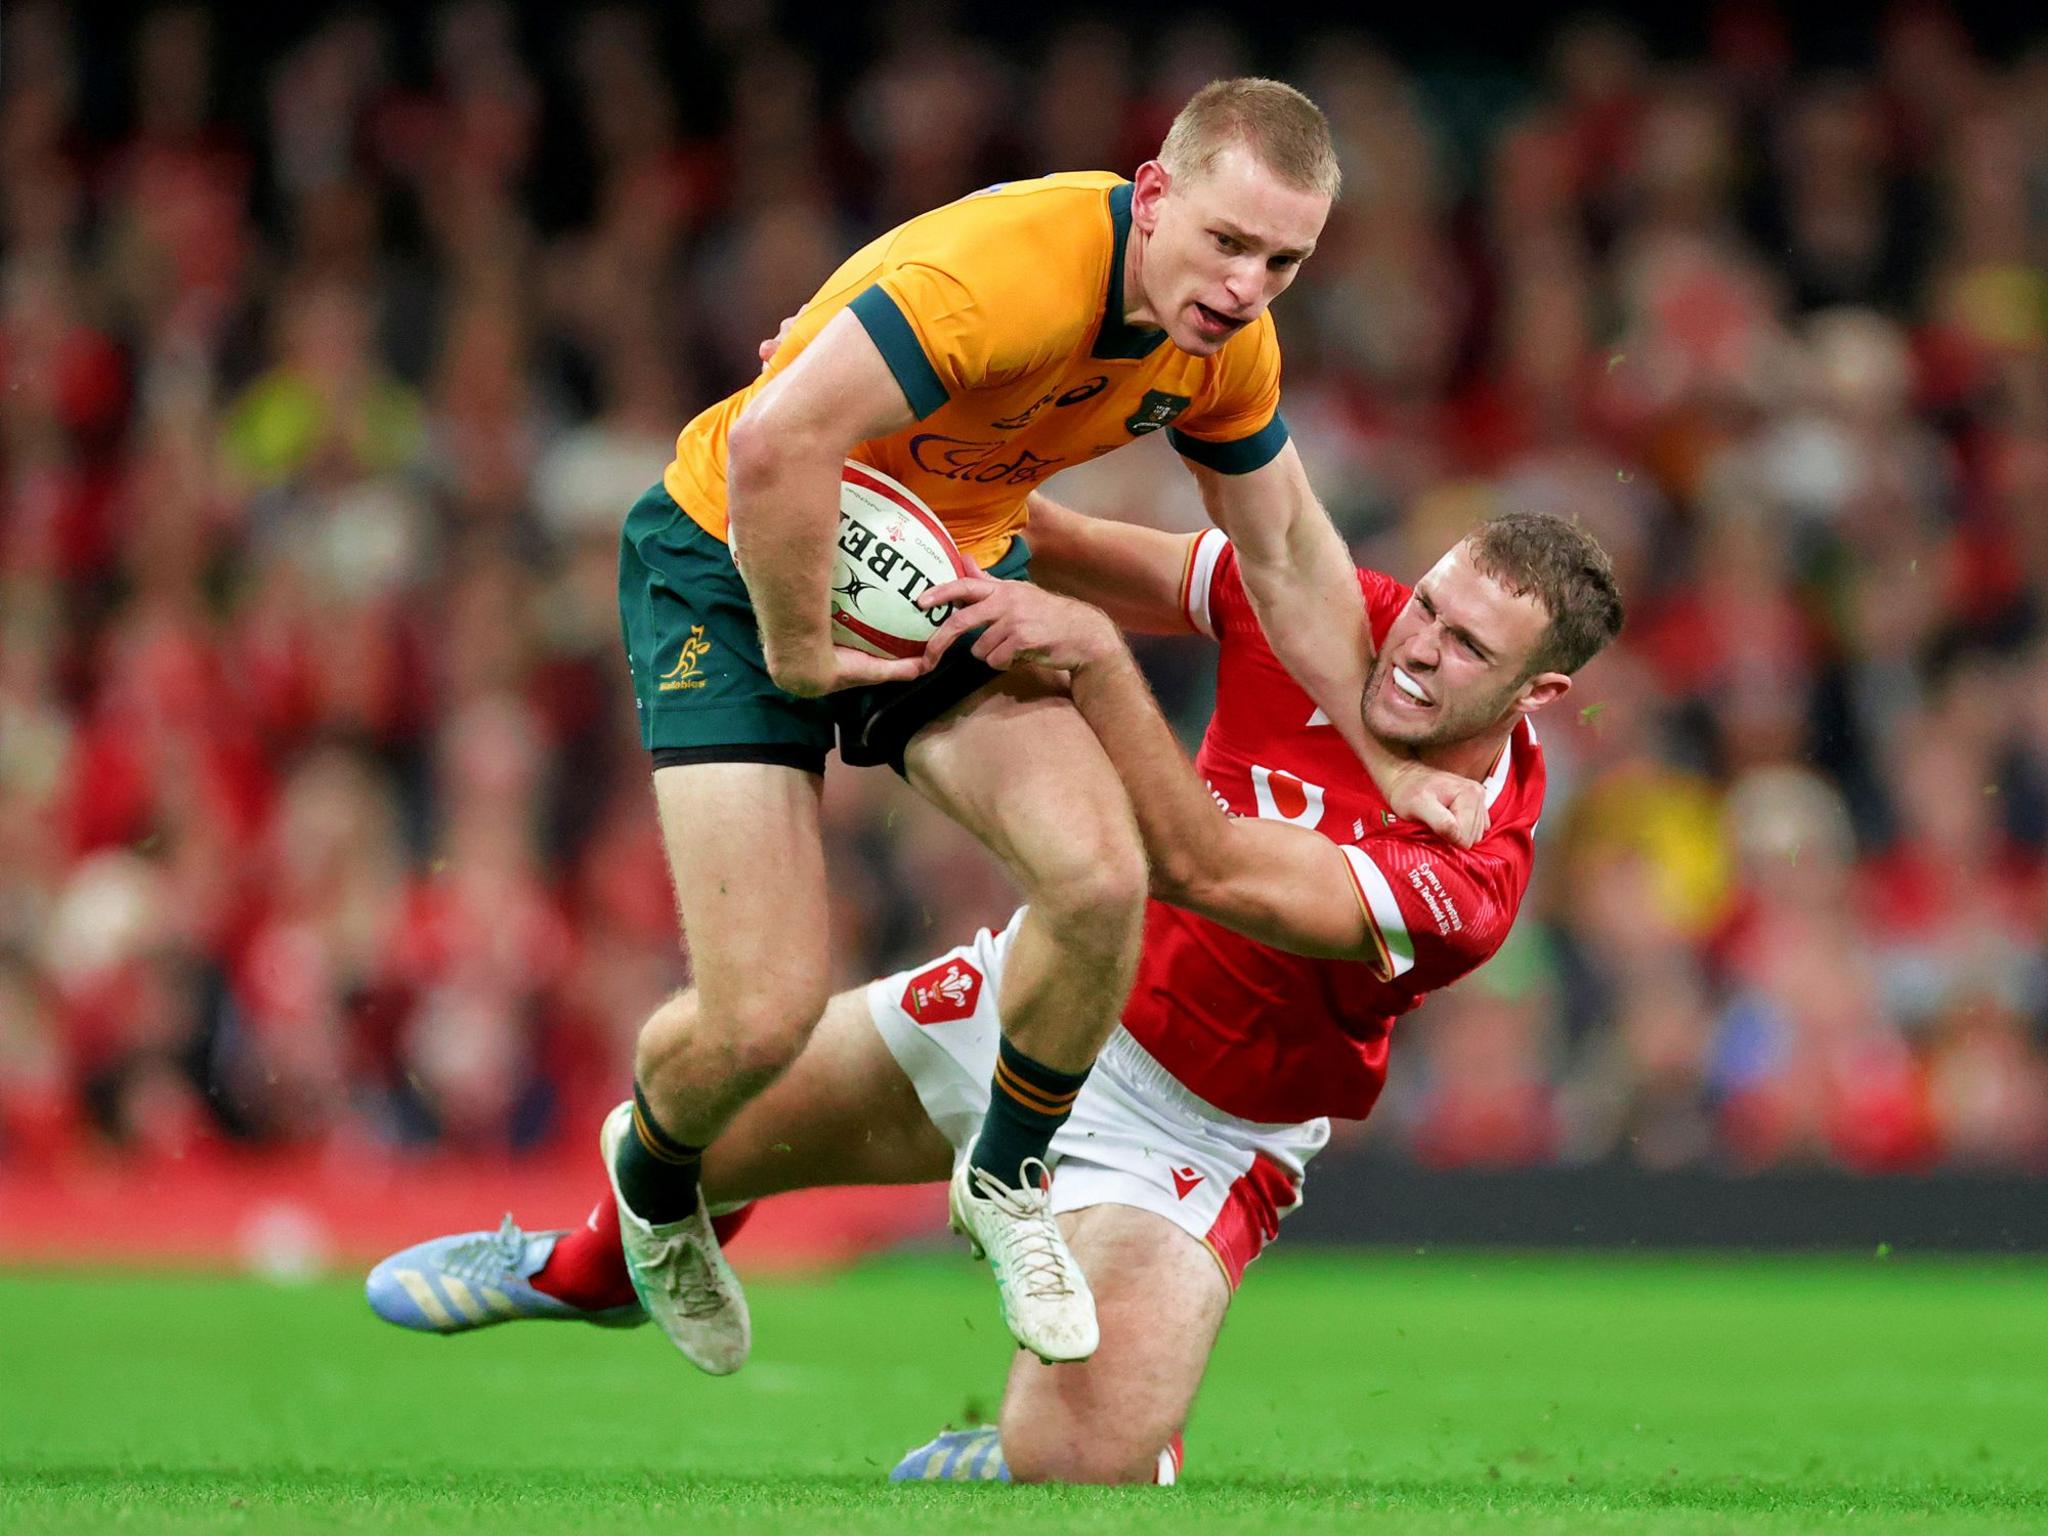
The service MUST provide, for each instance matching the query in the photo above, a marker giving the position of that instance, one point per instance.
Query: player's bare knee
(1095, 894)
(664, 1037)
(764, 1032)
(746, 1042)
(1044, 1450)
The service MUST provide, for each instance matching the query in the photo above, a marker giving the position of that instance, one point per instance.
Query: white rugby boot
(1045, 1298)
(679, 1272)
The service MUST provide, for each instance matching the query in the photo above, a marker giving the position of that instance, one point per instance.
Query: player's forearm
(1178, 818)
(1305, 593)
(1314, 618)
(1283, 886)
(1301, 582)
(782, 505)
(1133, 574)
(1063, 559)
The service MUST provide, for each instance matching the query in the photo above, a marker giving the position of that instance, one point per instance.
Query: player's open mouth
(1409, 690)
(1215, 322)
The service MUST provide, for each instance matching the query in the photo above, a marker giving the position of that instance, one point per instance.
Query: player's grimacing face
(1454, 661)
(1220, 246)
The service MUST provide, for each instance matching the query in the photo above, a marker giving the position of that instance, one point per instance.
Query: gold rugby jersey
(1001, 316)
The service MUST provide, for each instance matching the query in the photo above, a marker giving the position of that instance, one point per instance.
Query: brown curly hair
(1564, 568)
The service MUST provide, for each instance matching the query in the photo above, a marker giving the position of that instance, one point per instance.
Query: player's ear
(1545, 688)
(1148, 189)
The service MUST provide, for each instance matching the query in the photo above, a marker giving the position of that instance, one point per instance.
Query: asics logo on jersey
(1088, 389)
(957, 458)
(684, 673)
(1156, 410)
(943, 993)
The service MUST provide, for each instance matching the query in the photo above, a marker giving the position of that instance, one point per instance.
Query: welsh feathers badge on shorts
(943, 993)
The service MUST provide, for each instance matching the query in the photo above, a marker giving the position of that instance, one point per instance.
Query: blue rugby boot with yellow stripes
(475, 1279)
(972, 1455)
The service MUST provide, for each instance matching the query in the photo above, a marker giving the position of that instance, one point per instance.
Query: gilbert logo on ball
(891, 548)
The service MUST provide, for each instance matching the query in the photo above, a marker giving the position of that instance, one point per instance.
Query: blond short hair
(1285, 131)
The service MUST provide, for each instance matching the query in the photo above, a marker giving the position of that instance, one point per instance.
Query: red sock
(588, 1268)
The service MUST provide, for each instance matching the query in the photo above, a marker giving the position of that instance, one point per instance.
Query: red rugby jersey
(1283, 1038)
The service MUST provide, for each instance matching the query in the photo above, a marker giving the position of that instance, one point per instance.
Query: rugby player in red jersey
(1294, 919)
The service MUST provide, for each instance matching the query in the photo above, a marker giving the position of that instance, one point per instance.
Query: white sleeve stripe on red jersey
(1382, 911)
(1497, 780)
(1203, 553)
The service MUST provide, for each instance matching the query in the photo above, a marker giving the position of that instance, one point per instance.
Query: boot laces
(489, 1258)
(688, 1276)
(1030, 1237)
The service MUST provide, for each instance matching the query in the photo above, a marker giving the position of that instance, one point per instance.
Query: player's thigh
(844, 1113)
(1160, 1299)
(1017, 766)
(748, 861)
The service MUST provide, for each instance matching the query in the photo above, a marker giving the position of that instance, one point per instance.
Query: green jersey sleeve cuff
(1240, 457)
(890, 332)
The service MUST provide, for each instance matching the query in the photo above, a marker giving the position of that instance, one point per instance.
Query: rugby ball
(891, 548)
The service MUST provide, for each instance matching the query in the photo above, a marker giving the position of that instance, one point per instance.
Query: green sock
(657, 1174)
(1027, 1102)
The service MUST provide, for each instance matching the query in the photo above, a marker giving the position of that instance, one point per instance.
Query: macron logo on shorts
(1184, 1182)
(943, 993)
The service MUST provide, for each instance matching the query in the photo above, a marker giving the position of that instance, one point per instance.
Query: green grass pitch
(1388, 1393)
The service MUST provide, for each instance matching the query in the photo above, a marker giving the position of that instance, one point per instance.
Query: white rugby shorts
(1136, 1137)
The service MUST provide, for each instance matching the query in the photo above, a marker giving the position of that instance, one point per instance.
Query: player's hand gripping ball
(891, 549)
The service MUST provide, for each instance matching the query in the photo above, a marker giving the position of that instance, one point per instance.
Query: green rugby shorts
(701, 683)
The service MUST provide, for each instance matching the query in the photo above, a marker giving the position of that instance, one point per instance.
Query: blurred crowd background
(333, 350)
